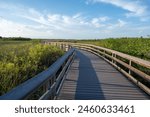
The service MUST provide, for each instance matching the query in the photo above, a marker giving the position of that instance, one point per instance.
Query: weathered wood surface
(139, 61)
(92, 78)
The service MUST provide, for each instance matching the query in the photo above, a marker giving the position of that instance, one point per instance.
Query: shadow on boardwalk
(92, 78)
(88, 86)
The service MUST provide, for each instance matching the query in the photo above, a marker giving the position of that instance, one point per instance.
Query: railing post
(55, 44)
(67, 47)
(114, 56)
(61, 46)
(46, 86)
(130, 63)
(104, 54)
(54, 89)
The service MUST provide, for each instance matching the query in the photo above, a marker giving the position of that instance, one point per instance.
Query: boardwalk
(90, 77)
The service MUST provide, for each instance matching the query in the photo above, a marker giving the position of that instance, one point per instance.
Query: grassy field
(21, 60)
(138, 47)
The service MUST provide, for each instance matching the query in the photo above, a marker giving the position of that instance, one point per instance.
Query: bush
(138, 47)
(20, 62)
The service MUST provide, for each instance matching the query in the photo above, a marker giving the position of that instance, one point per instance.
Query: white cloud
(54, 25)
(63, 27)
(33, 15)
(9, 28)
(119, 24)
(134, 7)
(118, 28)
(99, 22)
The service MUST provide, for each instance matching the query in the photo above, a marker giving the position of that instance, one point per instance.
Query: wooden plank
(128, 75)
(92, 78)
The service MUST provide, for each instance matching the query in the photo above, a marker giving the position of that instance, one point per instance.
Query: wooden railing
(136, 69)
(45, 85)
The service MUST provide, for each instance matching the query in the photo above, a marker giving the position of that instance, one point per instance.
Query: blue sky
(75, 19)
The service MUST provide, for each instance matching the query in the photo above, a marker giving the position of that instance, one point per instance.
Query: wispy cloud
(10, 28)
(99, 22)
(119, 24)
(64, 22)
(54, 25)
(50, 25)
(134, 7)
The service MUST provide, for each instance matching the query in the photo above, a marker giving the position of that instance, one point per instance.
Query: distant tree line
(14, 38)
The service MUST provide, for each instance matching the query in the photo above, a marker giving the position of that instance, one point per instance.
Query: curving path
(92, 78)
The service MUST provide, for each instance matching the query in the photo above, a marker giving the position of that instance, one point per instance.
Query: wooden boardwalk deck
(92, 78)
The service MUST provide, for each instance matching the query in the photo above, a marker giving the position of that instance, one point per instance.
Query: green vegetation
(20, 61)
(14, 39)
(139, 47)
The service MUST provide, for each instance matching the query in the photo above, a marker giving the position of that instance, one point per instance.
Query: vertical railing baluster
(130, 63)
(112, 54)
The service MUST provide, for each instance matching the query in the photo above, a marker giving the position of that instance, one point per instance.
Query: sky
(74, 19)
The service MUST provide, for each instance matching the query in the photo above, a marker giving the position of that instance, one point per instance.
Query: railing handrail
(137, 60)
(103, 52)
(116, 59)
(27, 88)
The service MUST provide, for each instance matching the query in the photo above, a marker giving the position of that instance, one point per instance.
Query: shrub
(20, 62)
